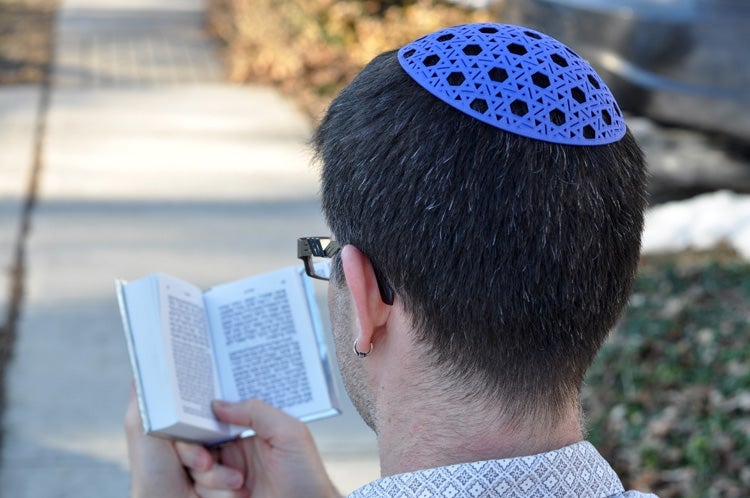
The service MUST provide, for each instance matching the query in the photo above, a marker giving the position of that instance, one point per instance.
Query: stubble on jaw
(344, 328)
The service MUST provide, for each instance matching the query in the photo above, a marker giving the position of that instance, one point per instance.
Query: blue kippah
(518, 80)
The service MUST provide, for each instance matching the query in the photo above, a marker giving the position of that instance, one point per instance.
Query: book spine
(140, 395)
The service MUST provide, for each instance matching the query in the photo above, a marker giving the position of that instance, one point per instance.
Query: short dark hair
(514, 256)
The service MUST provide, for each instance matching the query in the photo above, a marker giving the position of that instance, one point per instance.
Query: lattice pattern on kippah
(518, 80)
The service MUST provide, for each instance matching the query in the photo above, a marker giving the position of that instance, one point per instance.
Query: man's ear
(372, 313)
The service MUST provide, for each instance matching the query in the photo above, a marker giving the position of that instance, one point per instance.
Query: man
(488, 202)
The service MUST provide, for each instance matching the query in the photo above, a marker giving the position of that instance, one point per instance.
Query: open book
(260, 337)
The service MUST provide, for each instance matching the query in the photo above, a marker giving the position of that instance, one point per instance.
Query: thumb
(287, 448)
(267, 421)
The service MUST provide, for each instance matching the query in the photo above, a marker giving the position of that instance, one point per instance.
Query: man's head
(512, 255)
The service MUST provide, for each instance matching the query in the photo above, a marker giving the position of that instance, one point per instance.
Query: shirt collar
(577, 470)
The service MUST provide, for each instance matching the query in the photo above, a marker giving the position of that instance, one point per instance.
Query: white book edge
(129, 339)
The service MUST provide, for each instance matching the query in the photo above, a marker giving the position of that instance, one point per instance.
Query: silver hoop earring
(359, 353)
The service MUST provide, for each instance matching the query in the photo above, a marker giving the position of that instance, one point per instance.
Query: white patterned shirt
(576, 471)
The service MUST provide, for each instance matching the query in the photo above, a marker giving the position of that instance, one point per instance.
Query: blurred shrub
(312, 48)
(668, 399)
(25, 40)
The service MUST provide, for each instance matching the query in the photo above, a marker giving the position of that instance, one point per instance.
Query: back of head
(513, 255)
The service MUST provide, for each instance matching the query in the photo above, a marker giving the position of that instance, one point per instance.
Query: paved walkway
(150, 163)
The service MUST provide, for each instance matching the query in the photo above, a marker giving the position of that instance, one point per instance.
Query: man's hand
(154, 466)
(281, 460)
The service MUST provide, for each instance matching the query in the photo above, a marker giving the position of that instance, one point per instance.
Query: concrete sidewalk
(150, 163)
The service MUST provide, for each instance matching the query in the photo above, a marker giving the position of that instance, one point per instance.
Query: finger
(219, 477)
(154, 466)
(205, 492)
(138, 442)
(232, 456)
(194, 456)
(133, 425)
(267, 422)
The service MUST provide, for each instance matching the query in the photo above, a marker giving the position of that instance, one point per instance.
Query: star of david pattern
(518, 80)
(575, 471)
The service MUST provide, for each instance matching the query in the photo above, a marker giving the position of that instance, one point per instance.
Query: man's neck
(427, 431)
(424, 421)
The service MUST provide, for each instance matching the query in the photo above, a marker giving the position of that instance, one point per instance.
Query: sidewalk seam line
(17, 269)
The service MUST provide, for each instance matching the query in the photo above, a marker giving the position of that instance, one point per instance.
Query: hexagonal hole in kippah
(479, 105)
(540, 79)
(578, 95)
(498, 74)
(488, 30)
(445, 37)
(557, 117)
(533, 35)
(456, 78)
(431, 60)
(472, 50)
(593, 81)
(588, 132)
(515, 48)
(559, 60)
(606, 117)
(519, 108)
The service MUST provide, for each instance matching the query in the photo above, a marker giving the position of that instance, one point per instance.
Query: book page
(265, 343)
(188, 348)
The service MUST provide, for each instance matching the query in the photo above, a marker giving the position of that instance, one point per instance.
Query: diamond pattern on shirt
(576, 471)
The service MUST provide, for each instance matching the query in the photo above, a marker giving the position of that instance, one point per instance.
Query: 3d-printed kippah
(518, 80)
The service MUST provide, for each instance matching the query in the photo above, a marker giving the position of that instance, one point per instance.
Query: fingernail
(203, 461)
(219, 404)
(234, 480)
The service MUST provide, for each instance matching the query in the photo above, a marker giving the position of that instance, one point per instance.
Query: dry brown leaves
(25, 36)
(310, 49)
